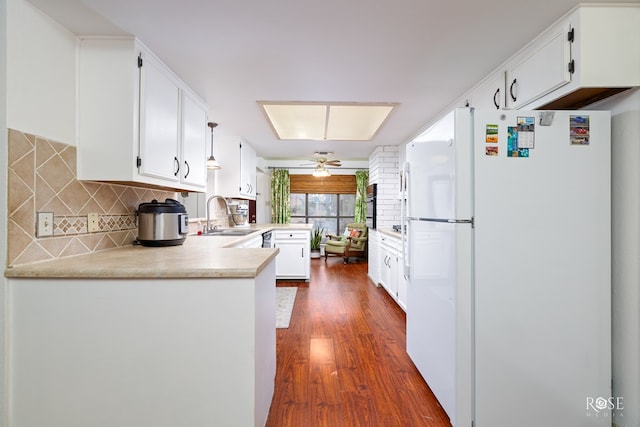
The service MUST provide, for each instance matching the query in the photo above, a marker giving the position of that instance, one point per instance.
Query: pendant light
(212, 164)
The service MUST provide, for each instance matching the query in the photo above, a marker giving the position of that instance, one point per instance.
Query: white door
(440, 262)
(159, 119)
(490, 94)
(439, 312)
(290, 262)
(247, 170)
(541, 69)
(439, 172)
(194, 142)
(542, 270)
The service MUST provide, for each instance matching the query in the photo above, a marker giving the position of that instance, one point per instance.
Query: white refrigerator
(509, 266)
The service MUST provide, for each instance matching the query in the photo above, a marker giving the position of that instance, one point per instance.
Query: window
(329, 211)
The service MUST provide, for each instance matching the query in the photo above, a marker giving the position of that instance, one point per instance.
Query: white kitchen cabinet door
(389, 266)
(194, 141)
(385, 269)
(293, 260)
(237, 178)
(374, 260)
(489, 94)
(540, 69)
(402, 283)
(247, 171)
(290, 260)
(159, 120)
(392, 269)
(604, 55)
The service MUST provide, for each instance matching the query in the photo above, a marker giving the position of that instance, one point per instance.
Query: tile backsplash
(42, 178)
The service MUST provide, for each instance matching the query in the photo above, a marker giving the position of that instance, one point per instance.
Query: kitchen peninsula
(181, 335)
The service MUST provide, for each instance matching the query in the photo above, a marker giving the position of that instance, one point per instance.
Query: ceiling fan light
(321, 172)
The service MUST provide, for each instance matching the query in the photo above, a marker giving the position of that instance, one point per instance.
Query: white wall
(3, 201)
(625, 180)
(38, 71)
(41, 74)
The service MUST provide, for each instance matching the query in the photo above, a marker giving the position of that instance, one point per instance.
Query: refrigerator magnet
(526, 132)
(491, 150)
(491, 134)
(579, 130)
(512, 144)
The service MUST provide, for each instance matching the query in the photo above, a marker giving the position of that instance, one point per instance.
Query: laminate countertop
(390, 232)
(198, 257)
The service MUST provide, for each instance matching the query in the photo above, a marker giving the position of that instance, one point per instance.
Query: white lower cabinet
(293, 261)
(402, 283)
(392, 268)
(254, 242)
(373, 256)
(389, 267)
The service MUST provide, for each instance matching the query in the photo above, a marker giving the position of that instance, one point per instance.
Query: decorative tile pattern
(42, 177)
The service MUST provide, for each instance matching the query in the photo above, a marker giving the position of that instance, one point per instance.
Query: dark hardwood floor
(342, 361)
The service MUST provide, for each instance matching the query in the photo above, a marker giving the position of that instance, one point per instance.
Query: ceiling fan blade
(333, 163)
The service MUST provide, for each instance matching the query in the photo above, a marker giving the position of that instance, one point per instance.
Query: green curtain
(280, 203)
(362, 180)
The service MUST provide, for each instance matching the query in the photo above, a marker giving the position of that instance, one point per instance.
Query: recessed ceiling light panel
(356, 122)
(297, 121)
(334, 121)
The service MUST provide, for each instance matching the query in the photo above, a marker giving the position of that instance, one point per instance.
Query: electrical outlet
(92, 223)
(45, 224)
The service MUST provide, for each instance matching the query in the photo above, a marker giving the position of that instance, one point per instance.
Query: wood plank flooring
(342, 361)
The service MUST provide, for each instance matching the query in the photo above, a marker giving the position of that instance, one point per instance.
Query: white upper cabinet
(539, 69)
(159, 121)
(488, 94)
(194, 140)
(237, 176)
(247, 171)
(138, 123)
(589, 54)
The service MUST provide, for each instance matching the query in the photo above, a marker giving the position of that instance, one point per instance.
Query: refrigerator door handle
(405, 250)
(404, 224)
(446, 220)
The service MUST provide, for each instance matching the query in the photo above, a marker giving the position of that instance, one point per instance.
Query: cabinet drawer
(291, 234)
(391, 243)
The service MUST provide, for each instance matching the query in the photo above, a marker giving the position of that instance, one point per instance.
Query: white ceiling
(422, 54)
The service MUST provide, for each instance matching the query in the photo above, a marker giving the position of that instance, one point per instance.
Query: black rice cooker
(162, 223)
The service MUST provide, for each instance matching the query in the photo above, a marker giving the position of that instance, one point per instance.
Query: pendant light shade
(212, 164)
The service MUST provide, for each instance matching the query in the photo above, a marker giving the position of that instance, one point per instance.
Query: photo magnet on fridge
(579, 130)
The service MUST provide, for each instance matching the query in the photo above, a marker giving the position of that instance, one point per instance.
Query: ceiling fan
(321, 160)
(321, 163)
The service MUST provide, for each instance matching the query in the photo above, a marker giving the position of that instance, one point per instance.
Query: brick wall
(384, 170)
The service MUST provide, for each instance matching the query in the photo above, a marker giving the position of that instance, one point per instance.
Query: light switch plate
(44, 227)
(92, 223)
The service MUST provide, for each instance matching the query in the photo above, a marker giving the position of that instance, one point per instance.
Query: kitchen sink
(229, 232)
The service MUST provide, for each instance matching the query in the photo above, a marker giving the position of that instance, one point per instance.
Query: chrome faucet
(207, 228)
